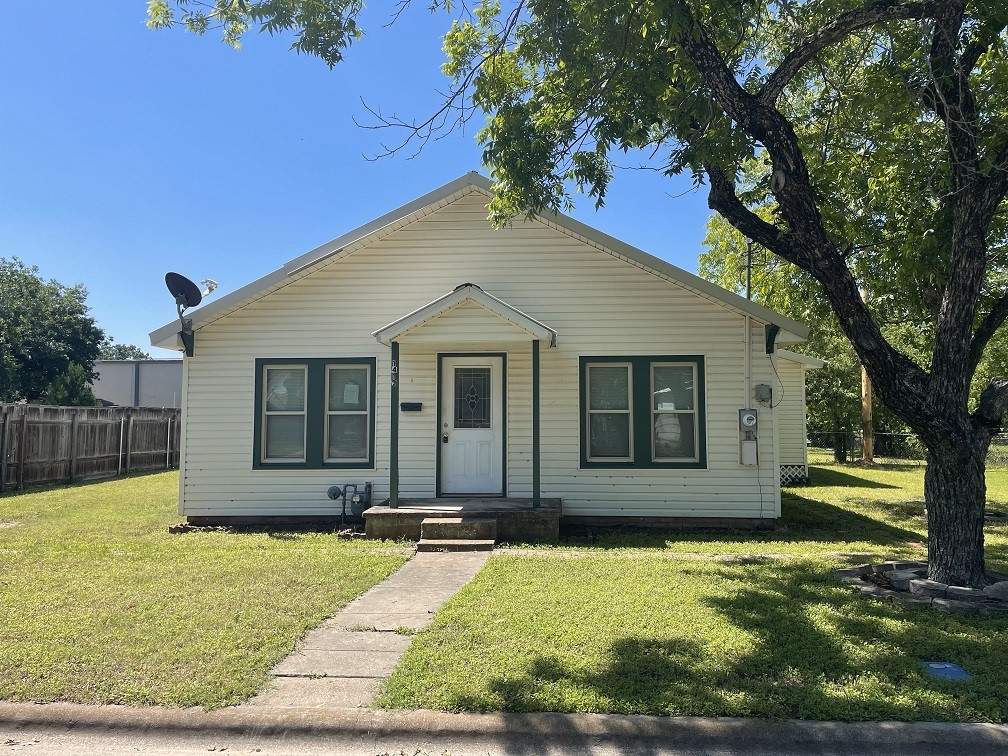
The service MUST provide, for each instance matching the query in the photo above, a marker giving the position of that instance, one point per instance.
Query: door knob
(444, 437)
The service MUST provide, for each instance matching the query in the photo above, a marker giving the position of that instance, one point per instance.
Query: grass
(99, 604)
(718, 624)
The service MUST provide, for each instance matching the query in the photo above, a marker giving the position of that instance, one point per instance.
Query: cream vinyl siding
(597, 303)
(791, 412)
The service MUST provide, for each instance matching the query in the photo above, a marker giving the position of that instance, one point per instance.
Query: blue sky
(125, 153)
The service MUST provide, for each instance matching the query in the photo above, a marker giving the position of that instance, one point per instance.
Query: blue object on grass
(946, 671)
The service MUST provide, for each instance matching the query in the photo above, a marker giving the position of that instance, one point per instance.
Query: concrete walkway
(341, 664)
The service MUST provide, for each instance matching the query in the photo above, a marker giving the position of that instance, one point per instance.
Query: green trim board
(640, 411)
(437, 426)
(315, 413)
(536, 448)
(394, 429)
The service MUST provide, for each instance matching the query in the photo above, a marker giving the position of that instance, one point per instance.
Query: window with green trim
(348, 415)
(283, 413)
(314, 413)
(643, 411)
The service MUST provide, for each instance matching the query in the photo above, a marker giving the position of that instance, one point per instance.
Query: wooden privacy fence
(40, 444)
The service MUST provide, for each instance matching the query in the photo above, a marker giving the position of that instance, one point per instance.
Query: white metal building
(139, 383)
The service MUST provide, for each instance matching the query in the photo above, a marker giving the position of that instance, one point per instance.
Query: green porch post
(394, 431)
(536, 494)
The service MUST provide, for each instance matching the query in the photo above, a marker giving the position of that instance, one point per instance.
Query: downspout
(747, 377)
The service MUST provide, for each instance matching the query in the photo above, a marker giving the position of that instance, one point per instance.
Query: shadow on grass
(831, 476)
(644, 676)
(814, 651)
(801, 520)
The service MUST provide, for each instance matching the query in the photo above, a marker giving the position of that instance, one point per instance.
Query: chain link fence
(840, 447)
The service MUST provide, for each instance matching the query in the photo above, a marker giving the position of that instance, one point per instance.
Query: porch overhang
(525, 327)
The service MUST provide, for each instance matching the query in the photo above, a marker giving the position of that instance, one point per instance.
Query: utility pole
(867, 431)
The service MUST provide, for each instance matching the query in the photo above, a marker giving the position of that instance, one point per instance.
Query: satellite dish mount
(187, 294)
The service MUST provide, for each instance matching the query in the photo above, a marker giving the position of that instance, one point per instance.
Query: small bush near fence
(845, 446)
(42, 444)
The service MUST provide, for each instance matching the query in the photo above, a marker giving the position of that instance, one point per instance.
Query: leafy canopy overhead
(325, 28)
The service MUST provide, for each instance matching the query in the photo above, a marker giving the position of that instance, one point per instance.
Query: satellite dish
(186, 293)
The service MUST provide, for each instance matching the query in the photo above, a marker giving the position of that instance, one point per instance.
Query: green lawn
(99, 604)
(708, 624)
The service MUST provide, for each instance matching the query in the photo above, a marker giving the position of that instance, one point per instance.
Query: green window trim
(316, 413)
(643, 412)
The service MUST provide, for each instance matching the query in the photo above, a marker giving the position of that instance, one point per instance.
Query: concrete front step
(517, 520)
(459, 529)
(455, 544)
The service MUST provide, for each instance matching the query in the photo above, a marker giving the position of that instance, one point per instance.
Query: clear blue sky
(125, 153)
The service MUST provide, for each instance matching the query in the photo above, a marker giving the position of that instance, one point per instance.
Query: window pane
(609, 434)
(285, 436)
(348, 437)
(472, 397)
(285, 389)
(673, 387)
(348, 389)
(609, 387)
(674, 436)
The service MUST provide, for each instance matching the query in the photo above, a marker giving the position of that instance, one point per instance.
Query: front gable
(454, 217)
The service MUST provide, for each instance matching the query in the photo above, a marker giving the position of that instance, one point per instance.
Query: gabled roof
(166, 335)
(466, 293)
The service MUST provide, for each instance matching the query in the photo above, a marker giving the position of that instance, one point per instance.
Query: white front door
(472, 425)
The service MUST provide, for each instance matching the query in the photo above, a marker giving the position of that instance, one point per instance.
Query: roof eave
(466, 292)
(811, 363)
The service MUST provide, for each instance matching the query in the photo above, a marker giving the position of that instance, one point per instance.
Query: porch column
(394, 430)
(535, 425)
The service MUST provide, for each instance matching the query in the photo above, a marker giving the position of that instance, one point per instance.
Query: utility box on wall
(749, 455)
(748, 451)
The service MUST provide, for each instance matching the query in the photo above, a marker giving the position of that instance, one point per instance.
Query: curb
(544, 728)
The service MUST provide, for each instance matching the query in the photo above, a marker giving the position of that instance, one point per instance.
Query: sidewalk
(71, 728)
(342, 662)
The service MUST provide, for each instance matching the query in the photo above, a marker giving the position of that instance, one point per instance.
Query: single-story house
(434, 356)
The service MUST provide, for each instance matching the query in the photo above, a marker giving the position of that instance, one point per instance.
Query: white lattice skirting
(791, 475)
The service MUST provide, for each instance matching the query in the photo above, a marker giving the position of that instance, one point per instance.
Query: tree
(832, 392)
(48, 341)
(112, 351)
(900, 105)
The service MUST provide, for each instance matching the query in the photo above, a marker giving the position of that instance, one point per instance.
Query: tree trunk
(955, 492)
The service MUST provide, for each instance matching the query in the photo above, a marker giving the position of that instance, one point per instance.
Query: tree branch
(452, 101)
(992, 406)
(953, 100)
(833, 32)
(997, 184)
(724, 200)
(985, 331)
(900, 382)
(951, 95)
